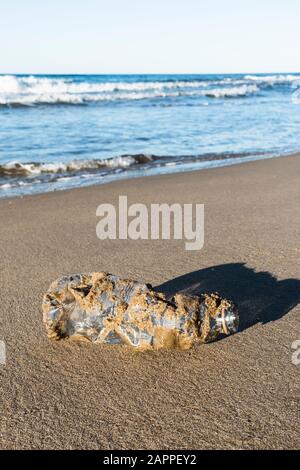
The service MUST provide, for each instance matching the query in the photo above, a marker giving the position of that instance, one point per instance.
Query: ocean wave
(231, 92)
(44, 85)
(26, 178)
(76, 99)
(273, 79)
(15, 169)
(42, 90)
(30, 91)
(81, 99)
(35, 90)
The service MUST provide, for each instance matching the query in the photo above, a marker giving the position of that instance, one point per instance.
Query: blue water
(66, 131)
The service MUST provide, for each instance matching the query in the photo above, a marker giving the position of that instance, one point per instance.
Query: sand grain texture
(240, 392)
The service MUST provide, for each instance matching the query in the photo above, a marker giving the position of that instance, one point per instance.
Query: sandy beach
(241, 392)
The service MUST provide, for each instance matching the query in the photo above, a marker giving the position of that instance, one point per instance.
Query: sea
(65, 131)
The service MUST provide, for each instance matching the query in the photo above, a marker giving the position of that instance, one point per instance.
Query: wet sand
(241, 392)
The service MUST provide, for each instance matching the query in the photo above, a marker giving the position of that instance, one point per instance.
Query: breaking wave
(35, 90)
(27, 178)
(232, 92)
(12, 169)
(273, 79)
(17, 169)
(42, 90)
(40, 85)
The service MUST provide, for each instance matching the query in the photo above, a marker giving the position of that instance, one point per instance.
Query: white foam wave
(273, 79)
(31, 90)
(39, 85)
(69, 98)
(231, 92)
(30, 100)
(32, 169)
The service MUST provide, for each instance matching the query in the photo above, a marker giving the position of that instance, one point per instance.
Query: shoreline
(237, 393)
(168, 169)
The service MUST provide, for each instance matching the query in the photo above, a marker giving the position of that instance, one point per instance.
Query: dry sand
(240, 392)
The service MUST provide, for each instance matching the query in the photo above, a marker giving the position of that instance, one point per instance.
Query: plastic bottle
(104, 308)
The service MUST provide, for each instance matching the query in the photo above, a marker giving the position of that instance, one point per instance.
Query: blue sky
(149, 36)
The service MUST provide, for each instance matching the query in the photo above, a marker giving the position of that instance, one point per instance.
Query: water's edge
(206, 165)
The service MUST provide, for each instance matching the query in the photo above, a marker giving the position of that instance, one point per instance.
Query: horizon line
(150, 73)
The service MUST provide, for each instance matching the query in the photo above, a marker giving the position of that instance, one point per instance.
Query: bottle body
(104, 308)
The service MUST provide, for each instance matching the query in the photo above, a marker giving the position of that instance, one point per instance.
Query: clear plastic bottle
(104, 308)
